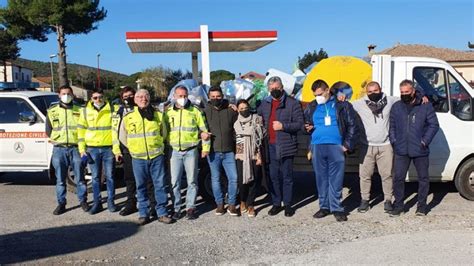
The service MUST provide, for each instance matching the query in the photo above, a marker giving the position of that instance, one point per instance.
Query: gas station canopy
(179, 42)
(202, 41)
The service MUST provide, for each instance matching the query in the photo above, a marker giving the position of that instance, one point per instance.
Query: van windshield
(43, 102)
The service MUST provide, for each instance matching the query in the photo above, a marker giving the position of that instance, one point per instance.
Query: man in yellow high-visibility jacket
(143, 136)
(61, 128)
(185, 123)
(95, 137)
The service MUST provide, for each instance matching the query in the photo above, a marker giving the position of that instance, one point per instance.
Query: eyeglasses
(97, 97)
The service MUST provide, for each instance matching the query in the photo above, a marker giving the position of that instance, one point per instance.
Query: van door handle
(2, 130)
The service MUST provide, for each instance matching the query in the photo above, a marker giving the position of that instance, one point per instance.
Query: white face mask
(66, 98)
(182, 101)
(99, 105)
(321, 99)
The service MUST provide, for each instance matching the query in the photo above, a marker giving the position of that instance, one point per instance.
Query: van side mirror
(27, 117)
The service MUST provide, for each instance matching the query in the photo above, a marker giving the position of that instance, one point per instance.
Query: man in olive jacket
(221, 118)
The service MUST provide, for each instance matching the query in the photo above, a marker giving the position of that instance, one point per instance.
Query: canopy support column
(206, 76)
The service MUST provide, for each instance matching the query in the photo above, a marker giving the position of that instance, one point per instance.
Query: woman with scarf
(249, 132)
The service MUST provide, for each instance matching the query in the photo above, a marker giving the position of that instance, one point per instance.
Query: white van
(452, 149)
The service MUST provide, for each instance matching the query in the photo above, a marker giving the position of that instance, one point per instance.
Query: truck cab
(452, 149)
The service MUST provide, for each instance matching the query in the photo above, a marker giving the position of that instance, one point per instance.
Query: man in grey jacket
(374, 113)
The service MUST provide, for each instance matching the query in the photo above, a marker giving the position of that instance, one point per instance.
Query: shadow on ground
(39, 244)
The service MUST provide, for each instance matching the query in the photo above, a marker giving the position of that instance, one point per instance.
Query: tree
(219, 75)
(35, 19)
(9, 50)
(310, 58)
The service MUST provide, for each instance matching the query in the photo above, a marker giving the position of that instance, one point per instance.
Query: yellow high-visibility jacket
(94, 128)
(63, 123)
(144, 137)
(184, 127)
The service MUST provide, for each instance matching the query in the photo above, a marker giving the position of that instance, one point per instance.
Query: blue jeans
(187, 161)
(281, 178)
(226, 160)
(328, 164)
(143, 171)
(62, 159)
(103, 158)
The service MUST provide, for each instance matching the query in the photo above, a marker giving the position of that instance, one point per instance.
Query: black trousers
(248, 192)
(131, 187)
(401, 165)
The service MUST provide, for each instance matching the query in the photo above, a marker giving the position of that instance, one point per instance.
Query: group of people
(248, 146)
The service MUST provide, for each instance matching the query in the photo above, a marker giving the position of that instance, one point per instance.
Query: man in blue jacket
(413, 126)
(283, 118)
(334, 132)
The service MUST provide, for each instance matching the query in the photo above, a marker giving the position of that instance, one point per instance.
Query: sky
(339, 27)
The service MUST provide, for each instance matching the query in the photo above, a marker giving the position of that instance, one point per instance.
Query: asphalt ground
(30, 234)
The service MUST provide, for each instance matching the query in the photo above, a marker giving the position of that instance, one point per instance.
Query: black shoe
(340, 216)
(191, 214)
(129, 209)
(387, 206)
(289, 211)
(364, 206)
(143, 220)
(396, 212)
(96, 208)
(166, 220)
(274, 210)
(420, 211)
(176, 215)
(321, 213)
(85, 206)
(60, 209)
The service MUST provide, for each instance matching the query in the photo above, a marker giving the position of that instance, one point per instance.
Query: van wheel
(464, 179)
(71, 185)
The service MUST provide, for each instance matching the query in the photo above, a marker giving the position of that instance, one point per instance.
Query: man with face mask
(220, 119)
(61, 128)
(94, 131)
(413, 126)
(184, 122)
(283, 118)
(333, 129)
(374, 113)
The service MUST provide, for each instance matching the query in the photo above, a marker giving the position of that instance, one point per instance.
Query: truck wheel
(205, 183)
(71, 185)
(464, 179)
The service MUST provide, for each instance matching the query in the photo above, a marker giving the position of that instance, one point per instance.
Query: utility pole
(98, 72)
(52, 72)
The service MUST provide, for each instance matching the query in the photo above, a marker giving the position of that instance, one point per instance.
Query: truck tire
(464, 179)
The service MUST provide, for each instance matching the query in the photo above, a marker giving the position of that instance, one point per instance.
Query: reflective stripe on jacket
(63, 124)
(144, 137)
(184, 126)
(94, 128)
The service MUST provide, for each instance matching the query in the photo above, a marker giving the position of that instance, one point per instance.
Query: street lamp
(98, 72)
(52, 72)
